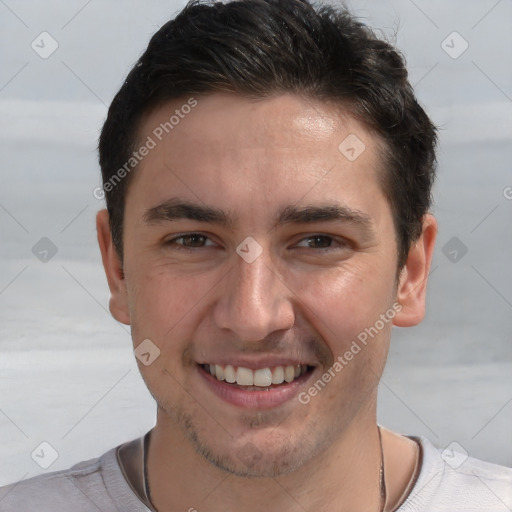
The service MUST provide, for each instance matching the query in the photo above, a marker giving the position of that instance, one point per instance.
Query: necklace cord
(382, 479)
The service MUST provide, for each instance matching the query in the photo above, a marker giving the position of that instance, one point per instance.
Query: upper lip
(257, 363)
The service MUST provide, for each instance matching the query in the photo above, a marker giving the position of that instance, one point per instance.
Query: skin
(302, 297)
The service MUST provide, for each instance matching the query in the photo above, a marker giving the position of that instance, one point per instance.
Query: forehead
(241, 151)
(227, 119)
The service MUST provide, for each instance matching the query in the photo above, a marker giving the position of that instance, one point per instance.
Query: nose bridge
(255, 300)
(255, 282)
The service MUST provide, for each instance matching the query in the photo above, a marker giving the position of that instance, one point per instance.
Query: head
(288, 124)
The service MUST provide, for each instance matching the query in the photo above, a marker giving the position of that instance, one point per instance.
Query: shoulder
(57, 489)
(85, 487)
(452, 481)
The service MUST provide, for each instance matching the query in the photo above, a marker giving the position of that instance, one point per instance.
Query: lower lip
(264, 399)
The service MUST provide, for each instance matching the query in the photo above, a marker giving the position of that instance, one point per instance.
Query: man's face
(202, 292)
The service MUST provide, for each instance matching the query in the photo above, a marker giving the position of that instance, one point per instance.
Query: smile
(258, 388)
(262, 377)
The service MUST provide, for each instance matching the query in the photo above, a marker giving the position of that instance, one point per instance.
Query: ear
(113, 269)
(412, 284)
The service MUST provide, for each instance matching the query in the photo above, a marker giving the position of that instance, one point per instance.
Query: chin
(267, 453)
(249, 461)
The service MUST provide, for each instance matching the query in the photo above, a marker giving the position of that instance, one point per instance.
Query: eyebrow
(174, 209)
(321, 213)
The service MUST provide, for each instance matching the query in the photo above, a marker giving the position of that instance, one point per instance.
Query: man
(268, 174)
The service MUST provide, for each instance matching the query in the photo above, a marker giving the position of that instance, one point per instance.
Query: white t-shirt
(100, 485)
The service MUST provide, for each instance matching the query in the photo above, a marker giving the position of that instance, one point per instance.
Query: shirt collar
(131, 457)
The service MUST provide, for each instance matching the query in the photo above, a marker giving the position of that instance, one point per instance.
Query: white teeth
(289, 373)
(229, 374)
(219, 372)
(244, 376)
(263, 377)
(278, 375)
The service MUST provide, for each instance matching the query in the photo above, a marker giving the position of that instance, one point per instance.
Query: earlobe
(112, 264)
(412, 285)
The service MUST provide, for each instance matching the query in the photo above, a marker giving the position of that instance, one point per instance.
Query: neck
(346, 473)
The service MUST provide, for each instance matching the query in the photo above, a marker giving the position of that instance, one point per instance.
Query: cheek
(162, 304)
(164, 309)
(342, 302)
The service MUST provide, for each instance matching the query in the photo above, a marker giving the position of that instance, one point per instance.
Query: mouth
(258, 388)
(256, 379)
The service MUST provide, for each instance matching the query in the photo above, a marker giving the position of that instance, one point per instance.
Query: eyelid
(336, 239)
(177, 236)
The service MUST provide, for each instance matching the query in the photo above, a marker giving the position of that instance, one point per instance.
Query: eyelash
(172, 241)
(185, 235)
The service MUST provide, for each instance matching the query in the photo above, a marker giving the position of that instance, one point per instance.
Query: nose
(255, 300)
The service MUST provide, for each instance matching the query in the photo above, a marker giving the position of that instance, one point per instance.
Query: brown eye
(194, 240)
(321, 242)
(190, 240)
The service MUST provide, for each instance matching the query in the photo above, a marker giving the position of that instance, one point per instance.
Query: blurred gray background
(67, 372)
